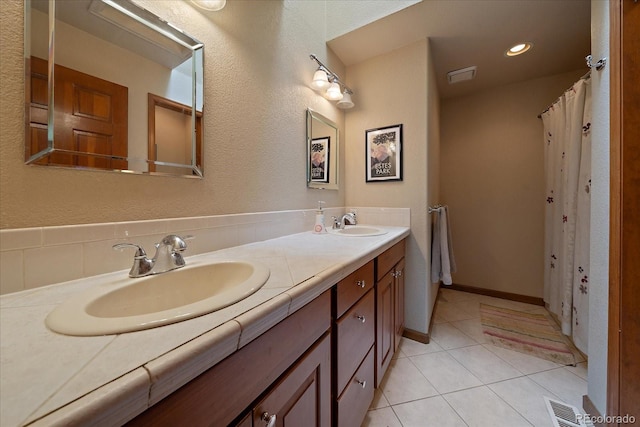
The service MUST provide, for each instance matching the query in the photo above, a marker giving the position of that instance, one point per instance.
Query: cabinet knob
(363, 383)
(269, 420)
(361, 283)
(361, 318)
(397, 273)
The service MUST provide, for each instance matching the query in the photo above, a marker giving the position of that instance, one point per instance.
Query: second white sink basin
(136, 304)
(358, 231)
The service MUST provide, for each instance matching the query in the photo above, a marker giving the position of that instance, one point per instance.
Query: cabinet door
(302, 397)
(385, 320)
(398, 291)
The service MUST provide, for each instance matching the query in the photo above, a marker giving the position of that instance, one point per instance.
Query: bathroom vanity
(315, 339)
(318, 367)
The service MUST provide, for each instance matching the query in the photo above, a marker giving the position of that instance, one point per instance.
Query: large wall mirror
(126, 89)
(322, 152)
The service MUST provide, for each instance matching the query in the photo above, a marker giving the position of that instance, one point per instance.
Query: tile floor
(460, 379)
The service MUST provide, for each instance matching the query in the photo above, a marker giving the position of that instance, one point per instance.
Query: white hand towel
(442, 260)
(436, 265)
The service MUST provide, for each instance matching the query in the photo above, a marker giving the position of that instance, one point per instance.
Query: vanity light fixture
(518, 49)
(325, 79)
(212, 5)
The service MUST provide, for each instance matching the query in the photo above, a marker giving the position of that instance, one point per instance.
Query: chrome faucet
(167, 257)
(348, 218)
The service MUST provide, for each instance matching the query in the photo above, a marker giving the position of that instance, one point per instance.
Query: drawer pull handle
(361, 318)
(397, 273)
(269, 420)
(362, 383)
(361, 283)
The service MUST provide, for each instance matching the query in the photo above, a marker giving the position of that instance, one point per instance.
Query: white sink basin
(358, 231)
(136, 304)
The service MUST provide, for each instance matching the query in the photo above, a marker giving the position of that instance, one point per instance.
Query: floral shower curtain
(567, 132)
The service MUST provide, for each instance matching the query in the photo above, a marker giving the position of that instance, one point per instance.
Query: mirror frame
(138, 16)
(332, 184)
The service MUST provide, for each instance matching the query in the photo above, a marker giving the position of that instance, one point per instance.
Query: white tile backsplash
(11, 271)
(20, 238)
(52, 264)
(40, 256)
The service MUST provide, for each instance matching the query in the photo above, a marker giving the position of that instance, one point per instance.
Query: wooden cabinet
(355, 338)
(220, 395)
(302, 396)
(389, 306)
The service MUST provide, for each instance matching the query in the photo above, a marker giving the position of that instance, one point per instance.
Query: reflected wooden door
(91, 117)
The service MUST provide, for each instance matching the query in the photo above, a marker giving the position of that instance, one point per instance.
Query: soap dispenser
(319, 227)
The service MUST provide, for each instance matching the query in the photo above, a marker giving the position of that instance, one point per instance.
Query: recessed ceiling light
(518, 49)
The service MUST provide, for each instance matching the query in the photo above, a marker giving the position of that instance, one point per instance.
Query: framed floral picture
(384, 153)
(319, 161)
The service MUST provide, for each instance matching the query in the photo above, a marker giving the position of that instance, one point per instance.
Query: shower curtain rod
(586, 76)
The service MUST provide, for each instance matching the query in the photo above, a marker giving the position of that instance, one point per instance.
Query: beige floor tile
(433, 411)
(379, 401)
(448, 337)
(384, 417)
(526, 397)
(567, 386)
(473, 329)
(451, 311)
(444, 372)
(486, 366)
(580, 370)
(481, 407)
(404, 382)
(414, 348)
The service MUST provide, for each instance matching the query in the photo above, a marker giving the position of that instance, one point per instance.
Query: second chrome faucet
(168, 256)
(346, 219)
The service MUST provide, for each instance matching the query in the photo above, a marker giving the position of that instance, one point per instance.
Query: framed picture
(319, 161)
(384, 153)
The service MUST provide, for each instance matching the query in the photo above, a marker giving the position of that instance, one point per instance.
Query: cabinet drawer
(354, 286)
(388, 259)
(356, 334)
(355, 401)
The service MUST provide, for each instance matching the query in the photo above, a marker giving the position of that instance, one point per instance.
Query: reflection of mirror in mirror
(322, 152)
(126, 88)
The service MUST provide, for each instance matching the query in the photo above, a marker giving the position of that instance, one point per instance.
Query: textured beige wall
(492, 178)
(394, 89)
(257, 70)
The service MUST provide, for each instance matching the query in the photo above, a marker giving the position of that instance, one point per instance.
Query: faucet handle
(140, 253)
(176, 242)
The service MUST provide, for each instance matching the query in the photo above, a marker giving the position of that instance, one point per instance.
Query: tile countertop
(49, 379)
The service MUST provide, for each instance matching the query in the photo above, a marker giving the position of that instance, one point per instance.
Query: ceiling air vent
(461, 75)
